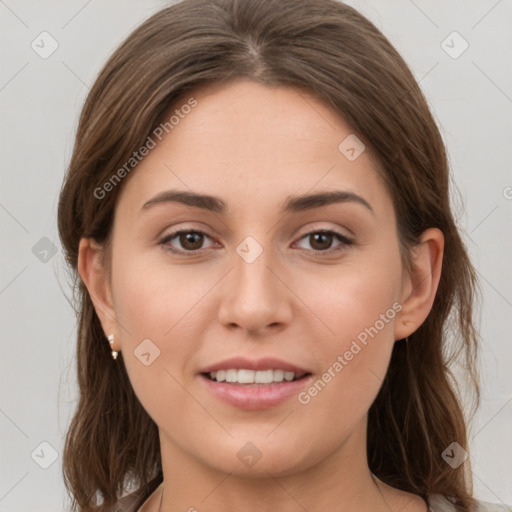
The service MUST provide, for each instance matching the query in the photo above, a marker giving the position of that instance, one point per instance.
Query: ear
(420, 283)
(96, 279)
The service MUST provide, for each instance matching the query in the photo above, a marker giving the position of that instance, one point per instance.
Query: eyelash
(345, 241)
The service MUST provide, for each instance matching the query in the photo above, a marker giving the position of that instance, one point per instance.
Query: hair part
(329, 49)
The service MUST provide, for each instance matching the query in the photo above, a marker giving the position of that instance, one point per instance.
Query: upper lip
(265, 363)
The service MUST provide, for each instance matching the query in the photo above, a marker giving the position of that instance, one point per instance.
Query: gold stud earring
(111, 341)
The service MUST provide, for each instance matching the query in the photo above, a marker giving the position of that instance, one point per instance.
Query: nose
(255, 295)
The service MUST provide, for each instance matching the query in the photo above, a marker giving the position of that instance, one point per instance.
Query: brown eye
(188, 240)
(321, 241)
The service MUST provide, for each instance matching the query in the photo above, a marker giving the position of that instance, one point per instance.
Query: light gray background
(40, 100)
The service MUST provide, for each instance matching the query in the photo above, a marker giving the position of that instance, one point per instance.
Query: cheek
(359, 305)
(158, 308)
(157, 300)
(358, 298)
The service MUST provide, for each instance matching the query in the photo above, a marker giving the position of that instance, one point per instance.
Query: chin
(260, 458)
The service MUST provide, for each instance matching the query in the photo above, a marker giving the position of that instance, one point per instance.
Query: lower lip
(253, 397)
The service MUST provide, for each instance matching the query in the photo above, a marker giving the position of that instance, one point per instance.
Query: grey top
(436, 503)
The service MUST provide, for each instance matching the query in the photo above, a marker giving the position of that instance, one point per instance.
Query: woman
(271, 283)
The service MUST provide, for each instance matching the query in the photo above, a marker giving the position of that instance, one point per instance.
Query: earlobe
(95, 278)
(420, 283)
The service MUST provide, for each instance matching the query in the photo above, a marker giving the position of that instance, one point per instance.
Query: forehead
(253, 145)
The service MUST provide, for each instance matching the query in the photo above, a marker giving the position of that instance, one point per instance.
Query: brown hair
(329, 49)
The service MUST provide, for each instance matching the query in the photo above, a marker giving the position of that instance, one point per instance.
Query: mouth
(254, 384)
(253, 390)
(253, 378)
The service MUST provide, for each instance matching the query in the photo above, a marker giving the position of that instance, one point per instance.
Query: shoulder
(438, 503)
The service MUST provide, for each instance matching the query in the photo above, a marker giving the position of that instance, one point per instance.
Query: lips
(253, 397)
(254, 384)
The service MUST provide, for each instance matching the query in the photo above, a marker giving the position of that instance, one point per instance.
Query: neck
(341, 480)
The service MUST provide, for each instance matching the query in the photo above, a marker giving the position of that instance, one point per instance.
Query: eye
(321, 240)
(190, 240)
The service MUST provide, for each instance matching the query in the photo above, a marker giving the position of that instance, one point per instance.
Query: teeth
(253, 377)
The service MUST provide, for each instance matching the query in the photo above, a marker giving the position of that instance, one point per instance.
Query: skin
(291, 302)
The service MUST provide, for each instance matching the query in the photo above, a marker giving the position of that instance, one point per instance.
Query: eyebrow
(292, 204)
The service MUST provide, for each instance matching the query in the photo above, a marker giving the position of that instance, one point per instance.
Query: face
(315, 289)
